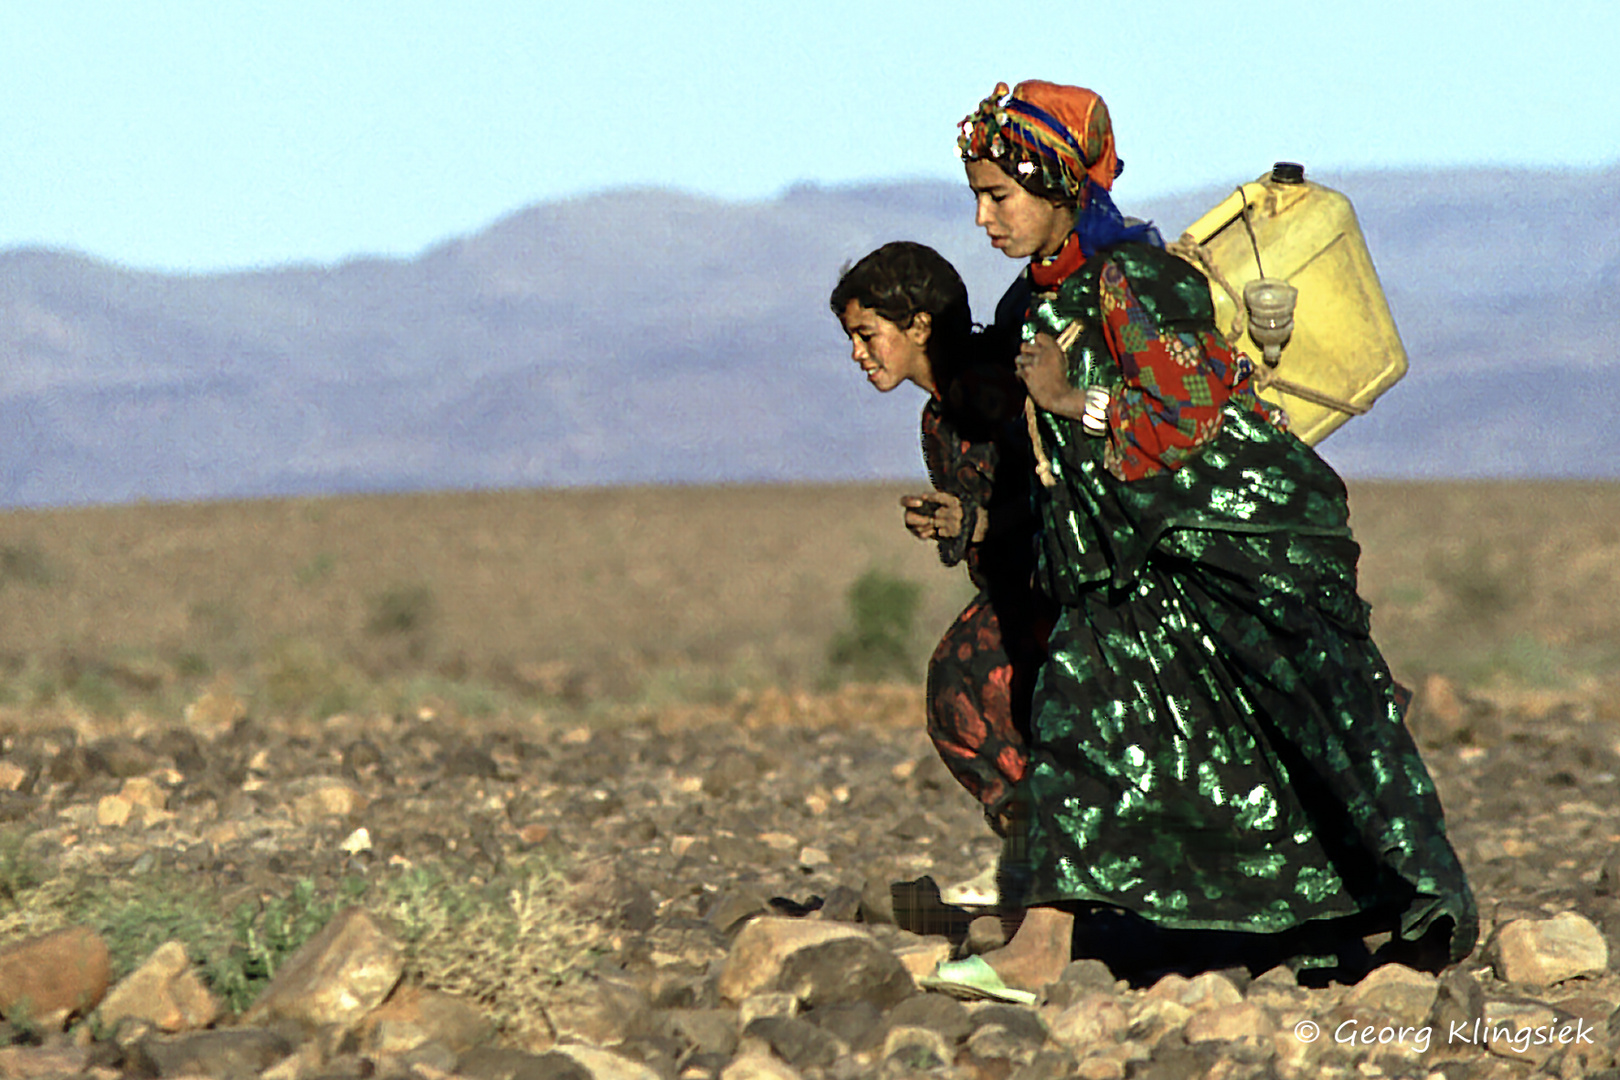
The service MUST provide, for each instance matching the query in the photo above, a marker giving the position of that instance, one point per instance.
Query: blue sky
(194, 136)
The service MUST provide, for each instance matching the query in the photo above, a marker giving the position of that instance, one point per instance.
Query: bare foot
(1038, 952)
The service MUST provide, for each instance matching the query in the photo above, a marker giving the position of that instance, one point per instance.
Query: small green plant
(317, 569)
(236, 955)
(1484, 582)
(93, 691)
(876, 643)
(25, 564)
(298, 677)
(19, 872)
(265, 935)
(400, 611)
(504, 937)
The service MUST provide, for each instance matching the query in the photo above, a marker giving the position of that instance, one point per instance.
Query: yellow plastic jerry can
(1282, 232)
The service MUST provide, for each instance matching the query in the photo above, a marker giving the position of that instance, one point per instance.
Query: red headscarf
(1063, 132)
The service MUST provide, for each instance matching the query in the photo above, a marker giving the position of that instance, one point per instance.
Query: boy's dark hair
(901, 279)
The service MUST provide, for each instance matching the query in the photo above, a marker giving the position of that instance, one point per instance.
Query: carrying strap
(1265, 376)
(1043, 463)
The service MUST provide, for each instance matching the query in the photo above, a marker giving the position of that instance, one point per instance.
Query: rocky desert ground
(559, 784)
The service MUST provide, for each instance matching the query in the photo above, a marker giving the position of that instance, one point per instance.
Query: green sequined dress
(1217, 742)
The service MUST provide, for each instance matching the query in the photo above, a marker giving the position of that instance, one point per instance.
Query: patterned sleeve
(962, 468)
(1176, 383)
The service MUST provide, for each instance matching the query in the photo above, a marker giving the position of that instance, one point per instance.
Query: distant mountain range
(646, 336)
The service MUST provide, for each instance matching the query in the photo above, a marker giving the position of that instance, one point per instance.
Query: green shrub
(19, 872)
(401, 611)
(1484, 582)
(876, 643)
(24, 564)
(298, 677)
(317, 569)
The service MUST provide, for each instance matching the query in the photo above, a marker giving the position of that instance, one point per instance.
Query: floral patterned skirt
(980, 683)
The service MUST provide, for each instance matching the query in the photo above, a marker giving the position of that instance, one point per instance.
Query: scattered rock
(984, 935)
(949, 1017)
(320, 797)
(759, 1064)
(1209, 990)
(923, 955)
(796, 1041)
(164, 992)
(604, 1065)
(29, 1062)
(682, 884)
(918, 1049)
(1230, 1023)
(1089, 1020)
(500, 1063)
(47, 979)
(1397, 992)
(1438, 717)
(413, 1016)
(603, 1012)
(336, 977)
(765, 946)
(1542, 952)
(228, 1054)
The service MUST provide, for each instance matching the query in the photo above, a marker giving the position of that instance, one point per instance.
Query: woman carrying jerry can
(1219, 768)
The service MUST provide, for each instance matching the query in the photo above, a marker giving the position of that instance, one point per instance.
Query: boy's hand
(935, 516)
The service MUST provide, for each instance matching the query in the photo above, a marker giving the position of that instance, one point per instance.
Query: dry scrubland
(507, 600)
(512, 680)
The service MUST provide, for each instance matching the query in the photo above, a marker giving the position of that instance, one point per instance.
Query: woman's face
(1020, 225)
(888, 354)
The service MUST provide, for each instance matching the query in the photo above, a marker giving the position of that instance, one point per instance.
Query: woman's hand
(935, 516)
(1045, 371)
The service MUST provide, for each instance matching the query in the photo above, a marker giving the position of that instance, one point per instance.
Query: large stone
(29, 1062)
(992, 1043)
(144, 791)
(1397, 992)
(1524, 1031)
(1210, 990)
(710, 1031)
(775, 1003)
(45, 980)
(413, 1016)
(336, 977)
(1244, 1021)
(231, 1054)
(921, 956)
(499, 1063)
(759, 1065)
(1087, 1020)
(943, 1014)
(1439, 716)
(917, 1049)
(1541, 952)
(797, 1042)
(1080, 979)
(113, 811)
(1151, 1019)
(318, 798)
(164, 992)
(985, 934)
(605, 1065)
(858, 1024)
(603, 1012)
(819, 962)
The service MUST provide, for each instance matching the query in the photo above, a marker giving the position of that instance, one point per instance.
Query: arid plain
(621, 705)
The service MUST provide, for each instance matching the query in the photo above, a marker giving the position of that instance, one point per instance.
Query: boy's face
(1020, 225)
(887, 354)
